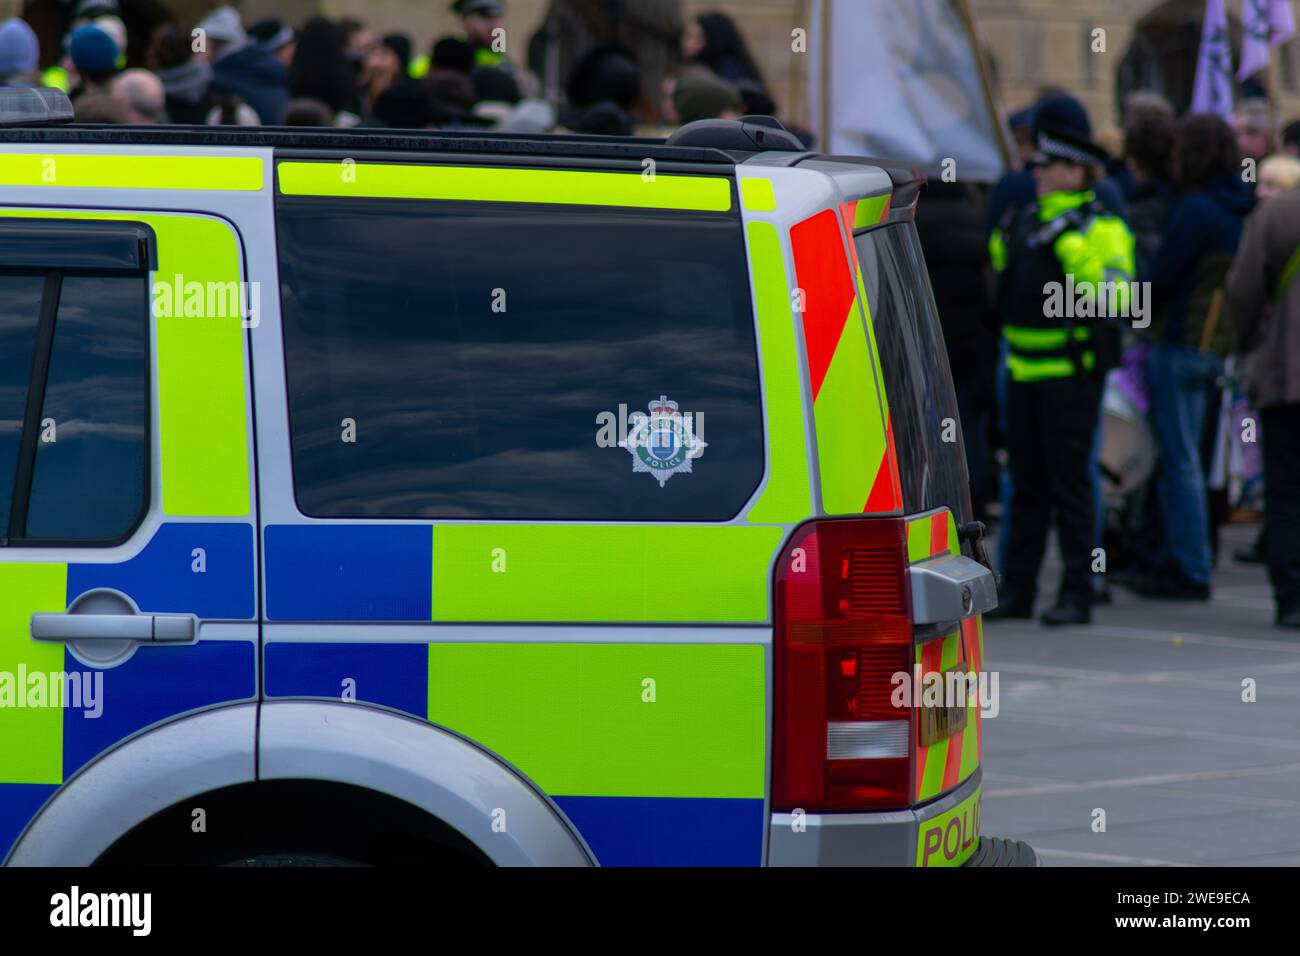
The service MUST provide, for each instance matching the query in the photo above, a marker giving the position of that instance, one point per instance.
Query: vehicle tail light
(842, 632)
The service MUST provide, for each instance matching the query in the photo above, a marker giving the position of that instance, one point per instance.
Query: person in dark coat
(321, 69)
(1190, 336)
(244, 68)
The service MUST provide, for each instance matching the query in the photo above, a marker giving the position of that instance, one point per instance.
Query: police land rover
(385, 497)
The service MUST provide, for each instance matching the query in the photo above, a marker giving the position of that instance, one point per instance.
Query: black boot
(1068, 611)
(1011, 607)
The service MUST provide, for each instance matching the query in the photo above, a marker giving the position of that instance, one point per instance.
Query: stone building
(1148, 44)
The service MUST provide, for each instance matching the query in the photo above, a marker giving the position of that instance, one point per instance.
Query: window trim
(77, 244)
(42, 354)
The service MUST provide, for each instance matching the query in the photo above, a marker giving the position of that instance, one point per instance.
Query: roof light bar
(33, 106)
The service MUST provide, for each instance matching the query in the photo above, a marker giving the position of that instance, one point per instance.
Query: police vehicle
(419, 497)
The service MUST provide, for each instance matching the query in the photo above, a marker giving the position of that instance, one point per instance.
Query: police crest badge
(663, 443)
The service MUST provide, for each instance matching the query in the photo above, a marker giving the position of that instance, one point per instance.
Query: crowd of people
(1188, 231)
(637, 73)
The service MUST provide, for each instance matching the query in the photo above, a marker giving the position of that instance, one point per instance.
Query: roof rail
(33, 106)
(748, 134)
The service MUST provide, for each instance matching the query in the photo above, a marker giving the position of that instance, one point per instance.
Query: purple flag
(1255, 31)
(1213, 90)
(1281, 22)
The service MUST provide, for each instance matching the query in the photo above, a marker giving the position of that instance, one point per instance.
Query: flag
(1264, 24)
(1213, 90)
(902, 79)
(1281, 21)
(1255, 30)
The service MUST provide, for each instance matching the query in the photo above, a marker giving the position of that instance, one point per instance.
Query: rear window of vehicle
(463, 360)
(914, 362)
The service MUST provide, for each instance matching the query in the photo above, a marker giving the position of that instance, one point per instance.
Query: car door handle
(148, 628)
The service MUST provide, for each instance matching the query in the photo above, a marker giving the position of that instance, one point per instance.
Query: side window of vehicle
(474, 350)
(914, 362)
(73, 405)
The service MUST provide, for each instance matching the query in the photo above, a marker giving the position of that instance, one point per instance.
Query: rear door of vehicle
(888, 431)
(127, 566)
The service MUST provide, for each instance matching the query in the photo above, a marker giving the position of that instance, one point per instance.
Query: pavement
(1141, 716)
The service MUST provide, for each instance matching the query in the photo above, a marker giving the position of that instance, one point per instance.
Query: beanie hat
(19, 50)
(701, 95)
(93, 51)
(223, 25)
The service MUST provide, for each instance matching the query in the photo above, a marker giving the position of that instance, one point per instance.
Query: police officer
(1064, 267)
(481, 19)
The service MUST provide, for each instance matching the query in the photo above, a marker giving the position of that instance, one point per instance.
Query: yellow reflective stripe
(787, 496)
(757, 194)
(31, 738)
(869, 211)
(1036, 370)
(603, 572)
(202, 408)
(104, 171)
(998, 250)
(561, 186)
(918, 539)
(850, 432)
(1030, 339)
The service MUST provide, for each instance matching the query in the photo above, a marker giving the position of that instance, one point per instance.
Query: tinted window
(73, 449)
(474, 346)
(914, 362)
(90, 480)
(20, 306)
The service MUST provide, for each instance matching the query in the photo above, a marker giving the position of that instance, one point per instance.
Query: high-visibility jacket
(1063, 264)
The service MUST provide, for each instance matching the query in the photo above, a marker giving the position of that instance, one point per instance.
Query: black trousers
(1050, 429)
(1280, 435)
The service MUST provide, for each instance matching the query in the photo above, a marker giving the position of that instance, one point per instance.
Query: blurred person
(702, 95)
(102, 107)
(1265, 302)
(95, 56)
(230, 110)
(19, 54)
(386, 64)
(307, 112)
(1056, 368)
(358, 41)
(186, 79)
(650, 29)
(1252, 122)
(143, 94)
(1291, 138)
(275, 37)
(607, 72)
(1278, 173)
(452, 94)
(242, 67)
(714, 40)
(480, 20)
(605, 118)
(450, 53)
(1190, 335)
(1149, 131)
(321, 69)
(1056, 112)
